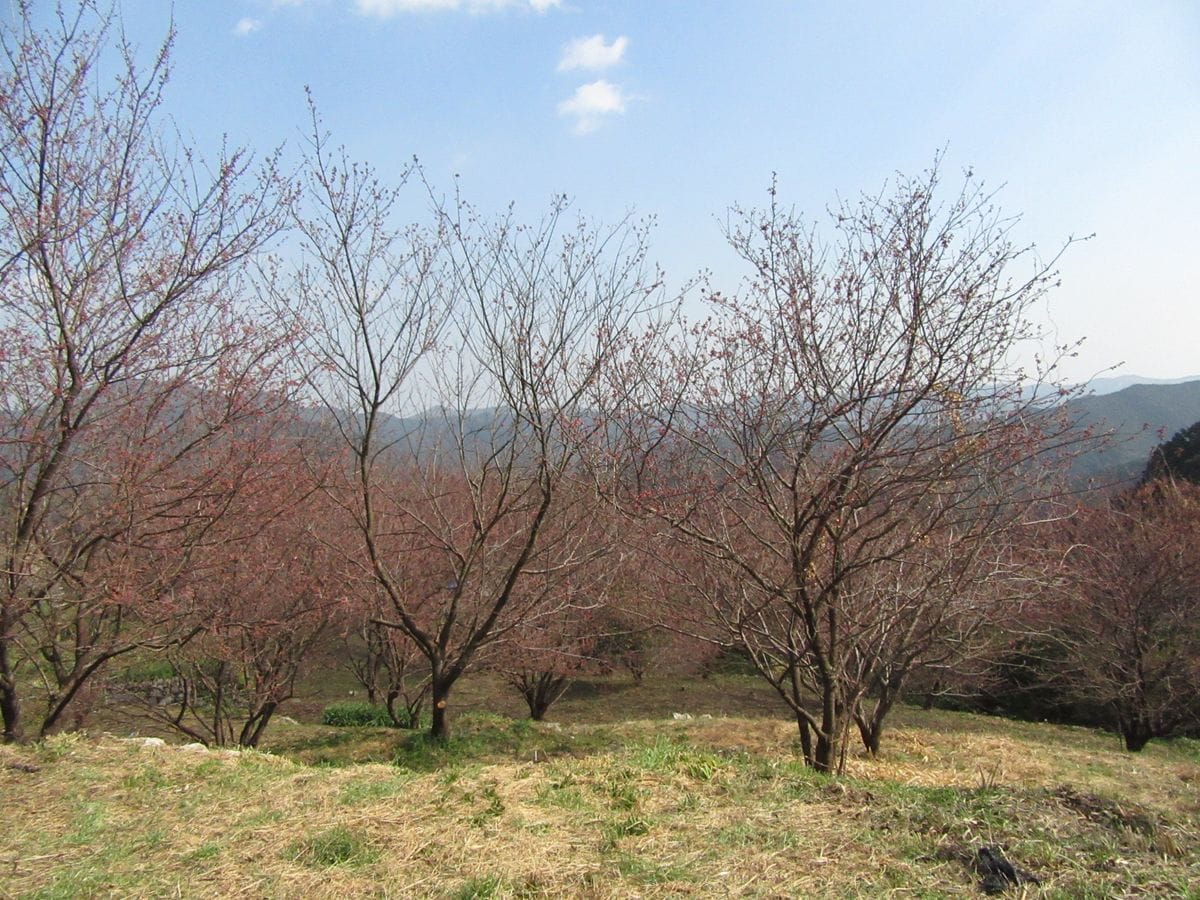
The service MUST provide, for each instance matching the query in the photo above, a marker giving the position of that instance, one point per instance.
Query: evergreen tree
(1178, 458)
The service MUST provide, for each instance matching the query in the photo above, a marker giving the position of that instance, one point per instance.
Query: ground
(621, 796)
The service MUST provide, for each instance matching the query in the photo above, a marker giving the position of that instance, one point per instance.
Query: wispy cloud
(247, 26)
(591, 104)
(592, 53)
(386, 8)
(538, 6)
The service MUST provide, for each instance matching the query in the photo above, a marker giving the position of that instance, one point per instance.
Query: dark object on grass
(998, 873)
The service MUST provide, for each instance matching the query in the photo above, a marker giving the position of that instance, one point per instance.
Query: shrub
(357, 715)
(150, 670)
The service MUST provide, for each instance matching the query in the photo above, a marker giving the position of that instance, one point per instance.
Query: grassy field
(615, 798)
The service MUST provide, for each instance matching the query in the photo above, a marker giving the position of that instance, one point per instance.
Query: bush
(149, 670)
(357, 715)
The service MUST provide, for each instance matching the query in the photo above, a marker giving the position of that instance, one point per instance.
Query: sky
(1085, 116)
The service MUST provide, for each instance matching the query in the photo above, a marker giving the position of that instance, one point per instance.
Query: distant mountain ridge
(1114, 383)
(1140, 416)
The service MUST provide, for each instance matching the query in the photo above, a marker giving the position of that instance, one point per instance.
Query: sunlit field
(671, 788)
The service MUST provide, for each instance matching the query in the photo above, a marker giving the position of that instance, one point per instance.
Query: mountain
(1141, 417)
(1112, 384)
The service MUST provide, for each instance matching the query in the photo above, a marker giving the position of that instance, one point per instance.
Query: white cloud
(387, 8)
(591, 103)
(592, 53)
(247, 26)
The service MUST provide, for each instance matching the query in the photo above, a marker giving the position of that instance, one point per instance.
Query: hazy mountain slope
(1143, 416)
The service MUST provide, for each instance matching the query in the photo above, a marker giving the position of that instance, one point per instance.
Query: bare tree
(1127, 617)
(490, 337)
(844, 449)
(127, 356)
(541, 658)
(385, 661)
(268, 582)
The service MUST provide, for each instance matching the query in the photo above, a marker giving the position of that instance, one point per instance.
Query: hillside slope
(1142, 416)
(698, 807)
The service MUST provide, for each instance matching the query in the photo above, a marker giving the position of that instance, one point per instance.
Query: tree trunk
(870, 727)
(540, 690)
(1136, 731)
(931, 694)
(806, 742)
(253, 731)
(439, 728)
(870, 732)
(10, 710)
(825, 759)
(10, 701)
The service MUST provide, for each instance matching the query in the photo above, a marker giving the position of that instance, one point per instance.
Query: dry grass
(706, 807)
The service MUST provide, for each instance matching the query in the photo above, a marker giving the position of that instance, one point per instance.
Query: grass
(649, 807)
(337, 846)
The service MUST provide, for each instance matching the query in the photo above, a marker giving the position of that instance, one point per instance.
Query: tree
(1126, 620)
(385, 661)
(642, 628)
(1177, 458)
(845, 450)
(269, 582)
(460, 503)
(127, 357)
(541, 658)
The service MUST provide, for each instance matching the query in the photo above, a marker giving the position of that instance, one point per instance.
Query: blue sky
(1087, 113)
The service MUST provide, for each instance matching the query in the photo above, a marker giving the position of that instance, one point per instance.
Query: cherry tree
(1126, 618)
(459, 362)
(384, 660)
(844, 450)
(270, 582)
(541, 658)
(127, 354)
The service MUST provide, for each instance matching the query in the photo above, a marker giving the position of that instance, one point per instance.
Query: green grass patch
(674, 755)
(207, 851)
(88, 825)
(487, 738)
(629, 826)
(372, 789)
(338, 846)
(493, 806)
(480, 888)
(642, 871)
